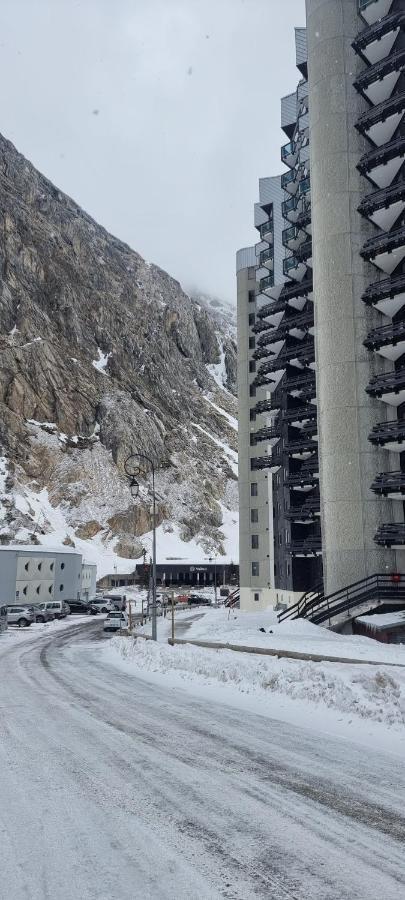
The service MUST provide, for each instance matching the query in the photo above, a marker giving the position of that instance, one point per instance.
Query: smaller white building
(34, 574)
(89, 581)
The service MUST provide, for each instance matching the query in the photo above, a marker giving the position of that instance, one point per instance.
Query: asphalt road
(112, 788)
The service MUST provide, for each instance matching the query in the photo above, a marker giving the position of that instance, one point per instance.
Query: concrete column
(350, 512)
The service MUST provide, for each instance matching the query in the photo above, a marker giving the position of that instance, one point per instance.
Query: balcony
(306, 514)
(304, 448)
(266, 258)
(388, 341)
(293, 237)
(380, 124)
(289, 153)
(383, 164)
(377, 83)
(264, 462)
(266, 231)
(266, 283)
(390, 435)
(388, 296)
(383, 208)
(289, 181)
(373, 10)
(300, 414)
(390, 484)
(296, 325)
(304, 251)
(304, 220)
(391, 535)
(302, 354)
(270, 433)
(386, 251)
(302, 385)
(390, 387)
(294, 268)
(266, 406)
(311, 546)
(304, 186)
(306, 479)
(292, 208)
(297, 294)
(376, 42)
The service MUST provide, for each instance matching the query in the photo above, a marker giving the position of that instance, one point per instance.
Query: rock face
(103, 353)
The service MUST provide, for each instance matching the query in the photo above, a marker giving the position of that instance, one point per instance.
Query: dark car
(82, 608)
(198, 600)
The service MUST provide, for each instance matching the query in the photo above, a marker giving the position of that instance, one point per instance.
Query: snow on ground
(231, 455)
(230, 419)
(218, 370)
(101, 361)
(14, 635)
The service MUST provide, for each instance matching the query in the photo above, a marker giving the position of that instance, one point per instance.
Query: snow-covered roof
(38, 548)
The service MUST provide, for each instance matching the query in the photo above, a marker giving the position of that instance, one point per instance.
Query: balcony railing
(301, 322)
(266, 434)
(304, 186)
(307, 379)
(388, 433)
(383, 290)
(304, 251)
(267, 282)
(381, 112)
(290, 263)
(392, 533)
(290, 205)
(386, 335)
(310, 510)
(390, 383)
(391, 63)
(300, 413)
(381, 155)
(266, 228)
(311, 546)
(298, 289)
(389, 483)
(304, 445)
(264, 462)
(382, 199)
(289, 151)
(383, 243)
(376, 31)
(265, 406)
(266, 256)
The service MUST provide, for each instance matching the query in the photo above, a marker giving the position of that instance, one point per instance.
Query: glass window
(255, 569)
(251, 272)
(61, 587)
(26, 567)
(252, 365)
(254, 515)
(252, 343)
(38, 589)
(252, 415)
(62, 565)
(252, 390)
(255, 541)
(256, 597)
(252, 318)
(39, 567)
(252, 295)
(51, 567)
(253, 489)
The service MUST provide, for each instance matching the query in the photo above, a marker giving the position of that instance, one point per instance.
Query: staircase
(354, 600)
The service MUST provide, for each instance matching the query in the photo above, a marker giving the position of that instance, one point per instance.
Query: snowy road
(113, 788)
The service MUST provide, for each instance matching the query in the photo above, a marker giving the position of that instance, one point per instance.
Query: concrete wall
(89, 581)
(350, 512)
(31, 575)
(266, 597)
(263, 501)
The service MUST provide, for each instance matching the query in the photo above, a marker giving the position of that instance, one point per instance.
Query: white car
(103, 604)
(115, 621)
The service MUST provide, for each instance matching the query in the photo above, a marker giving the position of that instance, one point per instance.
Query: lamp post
(136, 466)
(214, 560)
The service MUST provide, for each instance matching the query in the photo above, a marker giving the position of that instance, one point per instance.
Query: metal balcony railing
(302, 322)
(304, 186)
(265, 256)
(264, 462)
(392, 533)
(305, 444)
(265, 406)
(383, 290)
(388, 432)
(267, 282)
(383, 243)
(310, 546)
(391, 63)
(266, 434)
(297, 289)
(381, 155)
(269, 309)
(382, 199)
(381, 112)
(389, 483)
(309, 510)
(376, 31)
(307, 379)
(290, 205)
(301, 413)
(373, 590)
(386, 335)
(288, 178)
(304, 251)
(390, 383)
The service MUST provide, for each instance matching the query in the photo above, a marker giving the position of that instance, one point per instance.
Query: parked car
(40, 613)
(103, 605)
(198, 600)
(115, 621)
(119, 600)
(59, 608)
(83, 608)
(20, 615)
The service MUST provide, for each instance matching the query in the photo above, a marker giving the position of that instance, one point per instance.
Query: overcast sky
(157, 116)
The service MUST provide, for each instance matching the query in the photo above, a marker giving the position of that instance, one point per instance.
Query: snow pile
(218, 370)
(371, 693)
(101, 361)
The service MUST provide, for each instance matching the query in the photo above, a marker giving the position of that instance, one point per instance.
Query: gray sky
(157, 116)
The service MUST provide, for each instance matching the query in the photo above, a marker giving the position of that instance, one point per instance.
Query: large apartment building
(321, 318)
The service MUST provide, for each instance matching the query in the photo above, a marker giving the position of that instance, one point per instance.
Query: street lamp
(136, 466)
(214, 560)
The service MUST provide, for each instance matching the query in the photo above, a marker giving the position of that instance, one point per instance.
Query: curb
(283, 654)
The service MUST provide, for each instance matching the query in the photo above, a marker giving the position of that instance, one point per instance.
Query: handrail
(319, 608)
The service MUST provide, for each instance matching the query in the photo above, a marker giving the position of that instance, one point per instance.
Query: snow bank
(369, 693)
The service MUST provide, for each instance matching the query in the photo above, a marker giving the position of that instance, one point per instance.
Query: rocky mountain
(102, 354)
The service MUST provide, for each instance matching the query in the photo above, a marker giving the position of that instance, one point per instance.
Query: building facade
(321, 364)
(34, 574)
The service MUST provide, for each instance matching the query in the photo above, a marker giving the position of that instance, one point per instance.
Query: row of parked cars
(26, 614)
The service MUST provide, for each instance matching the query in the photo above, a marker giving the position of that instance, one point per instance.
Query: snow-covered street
(114, 787)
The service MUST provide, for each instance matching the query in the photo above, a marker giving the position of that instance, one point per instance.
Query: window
(253, 489)
(51, 567)
(256, 597)
(252, 318)
(252, 343)
(26, 567)
(252, 296)
(254, 515)
(255, 541)
(255, 569)
(50, 590)
(251, 272)
(38, 589)
(62, 565)
(61, 587)
(252, 415)
(39, 567)
(25, 591)
(252, 390)
(252, 365)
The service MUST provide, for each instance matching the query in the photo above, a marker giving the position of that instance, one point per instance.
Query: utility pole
(136, 466)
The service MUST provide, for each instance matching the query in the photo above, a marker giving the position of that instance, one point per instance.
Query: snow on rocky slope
(103, 353)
